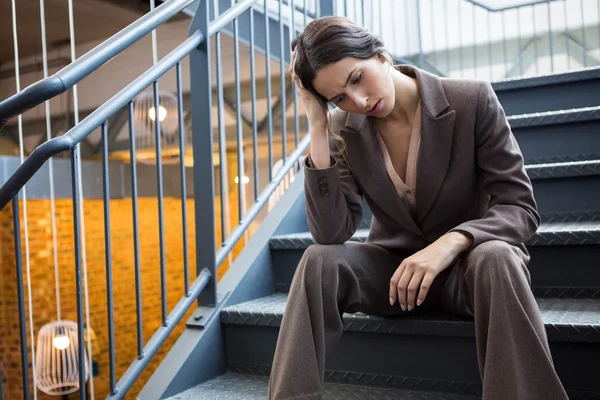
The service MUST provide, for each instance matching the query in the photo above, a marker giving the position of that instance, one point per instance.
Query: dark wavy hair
(328, 40)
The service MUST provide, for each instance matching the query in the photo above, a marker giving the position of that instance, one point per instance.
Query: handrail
(257, 207)
(228, 16)
(69, 140)
(69, 76)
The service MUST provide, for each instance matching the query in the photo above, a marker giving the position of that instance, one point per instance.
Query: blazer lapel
(437, 125)
(365, 157)
(434, 157)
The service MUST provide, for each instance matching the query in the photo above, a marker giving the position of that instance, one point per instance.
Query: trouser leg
(329, 281)
(512, 346)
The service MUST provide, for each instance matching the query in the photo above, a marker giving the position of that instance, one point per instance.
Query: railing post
(420, 36)
(202, 144)
(326, 8)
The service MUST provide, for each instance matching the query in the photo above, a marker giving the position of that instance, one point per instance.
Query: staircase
(227, 349)
(433, 357)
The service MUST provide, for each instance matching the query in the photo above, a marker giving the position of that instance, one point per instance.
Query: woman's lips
(376, 108)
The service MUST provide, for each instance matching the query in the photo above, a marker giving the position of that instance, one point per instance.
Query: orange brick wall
(43, 282)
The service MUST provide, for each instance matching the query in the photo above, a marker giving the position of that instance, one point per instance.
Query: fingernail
(391, 301)
(402, 307)
(410, 307)
(419, 302)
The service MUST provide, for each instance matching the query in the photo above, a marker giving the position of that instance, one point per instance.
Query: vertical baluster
(223, 172)
(520, 41)
(282, 99)
(420, 36)
(345, 8)
(108, 260)
(238, 112)
(474, 40)
(253, 82)
(535, 42)
(161, 216)
(490, 54)
(407, 30)
(269, 94)
(304, 26)
(372, 21)
(362, 7)
(381, 21)
(433, 40)
(567, 38)
(446, 25)
(136, 234)
(394, 46)
(21, 298)
(583, 39)
(294, 88)
(75, 164)
(504, 49)
(182, 175)
(305, 12)
(460, 41)
(550, 39)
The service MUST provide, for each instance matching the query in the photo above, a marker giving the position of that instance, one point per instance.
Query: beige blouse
(406, 191)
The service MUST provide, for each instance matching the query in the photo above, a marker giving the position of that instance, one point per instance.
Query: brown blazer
(470, 177)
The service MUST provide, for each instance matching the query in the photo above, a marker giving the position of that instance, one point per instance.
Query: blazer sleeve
(512, 213)
(333, 201)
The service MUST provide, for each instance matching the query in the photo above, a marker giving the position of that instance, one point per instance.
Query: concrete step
(561, 91)
(246, 386)
(564, 259)
(433, 352)
(558, 136)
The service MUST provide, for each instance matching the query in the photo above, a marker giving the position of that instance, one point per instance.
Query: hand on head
(315, 112)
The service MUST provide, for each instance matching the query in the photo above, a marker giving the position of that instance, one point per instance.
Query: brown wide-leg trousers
(491, 283)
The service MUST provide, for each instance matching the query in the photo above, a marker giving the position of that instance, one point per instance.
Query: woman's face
(357, 86)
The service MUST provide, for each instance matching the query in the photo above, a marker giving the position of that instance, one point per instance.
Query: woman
(452, 205)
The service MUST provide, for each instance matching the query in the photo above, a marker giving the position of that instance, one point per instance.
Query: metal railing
(73, 73)
(469, 38)
(208, 257)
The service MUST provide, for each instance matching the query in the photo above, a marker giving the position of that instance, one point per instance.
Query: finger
(413, 286)
(402, 286)
(394, 283)
(296, 79)
(292, 61)
(425, 285)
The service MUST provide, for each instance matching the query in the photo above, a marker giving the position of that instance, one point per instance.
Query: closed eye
(341, 97)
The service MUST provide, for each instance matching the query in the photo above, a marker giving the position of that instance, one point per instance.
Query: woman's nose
(362, 102)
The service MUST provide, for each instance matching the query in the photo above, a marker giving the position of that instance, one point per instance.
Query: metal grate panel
(554, 117)
(254, 387)
(572, 169)
(550, 79)
(566, 320)
(548, 234)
